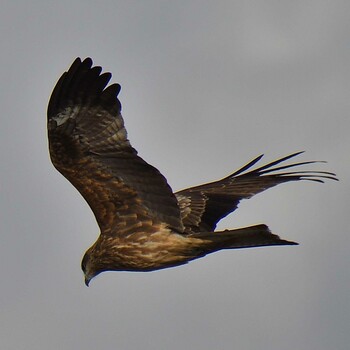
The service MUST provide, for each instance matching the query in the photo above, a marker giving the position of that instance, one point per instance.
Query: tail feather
(247, 237)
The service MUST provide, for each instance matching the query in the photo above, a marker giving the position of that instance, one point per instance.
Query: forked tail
(247, 237)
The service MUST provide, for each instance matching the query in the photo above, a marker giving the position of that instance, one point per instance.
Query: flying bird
(144, 225)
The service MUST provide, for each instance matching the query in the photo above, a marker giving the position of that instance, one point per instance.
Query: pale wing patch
(65, 115)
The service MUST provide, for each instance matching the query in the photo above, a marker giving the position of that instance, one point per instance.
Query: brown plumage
(144, 225)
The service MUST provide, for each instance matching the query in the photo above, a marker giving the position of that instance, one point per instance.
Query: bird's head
(100, 258)
(91, 265)
(87, 267)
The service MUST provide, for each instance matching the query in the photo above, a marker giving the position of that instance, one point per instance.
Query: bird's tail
(247, 237)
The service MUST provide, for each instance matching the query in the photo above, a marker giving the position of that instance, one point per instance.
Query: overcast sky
(206, 86)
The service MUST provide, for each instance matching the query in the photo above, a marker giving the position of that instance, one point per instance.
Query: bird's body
(144, 225)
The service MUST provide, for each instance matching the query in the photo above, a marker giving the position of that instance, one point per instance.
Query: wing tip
(83, 82)
(269, 169)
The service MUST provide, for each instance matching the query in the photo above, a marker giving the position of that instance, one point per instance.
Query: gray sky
(206, 86)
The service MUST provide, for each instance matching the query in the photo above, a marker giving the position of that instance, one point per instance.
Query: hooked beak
(87, 281)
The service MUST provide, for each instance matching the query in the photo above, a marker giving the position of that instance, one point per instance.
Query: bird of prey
(144, 225)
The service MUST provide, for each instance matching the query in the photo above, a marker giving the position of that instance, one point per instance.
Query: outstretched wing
(89, 146)
(202, 207)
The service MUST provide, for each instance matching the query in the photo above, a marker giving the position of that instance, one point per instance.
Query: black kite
(144, 225)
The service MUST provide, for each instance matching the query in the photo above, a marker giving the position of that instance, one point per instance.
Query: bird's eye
(83, 263)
